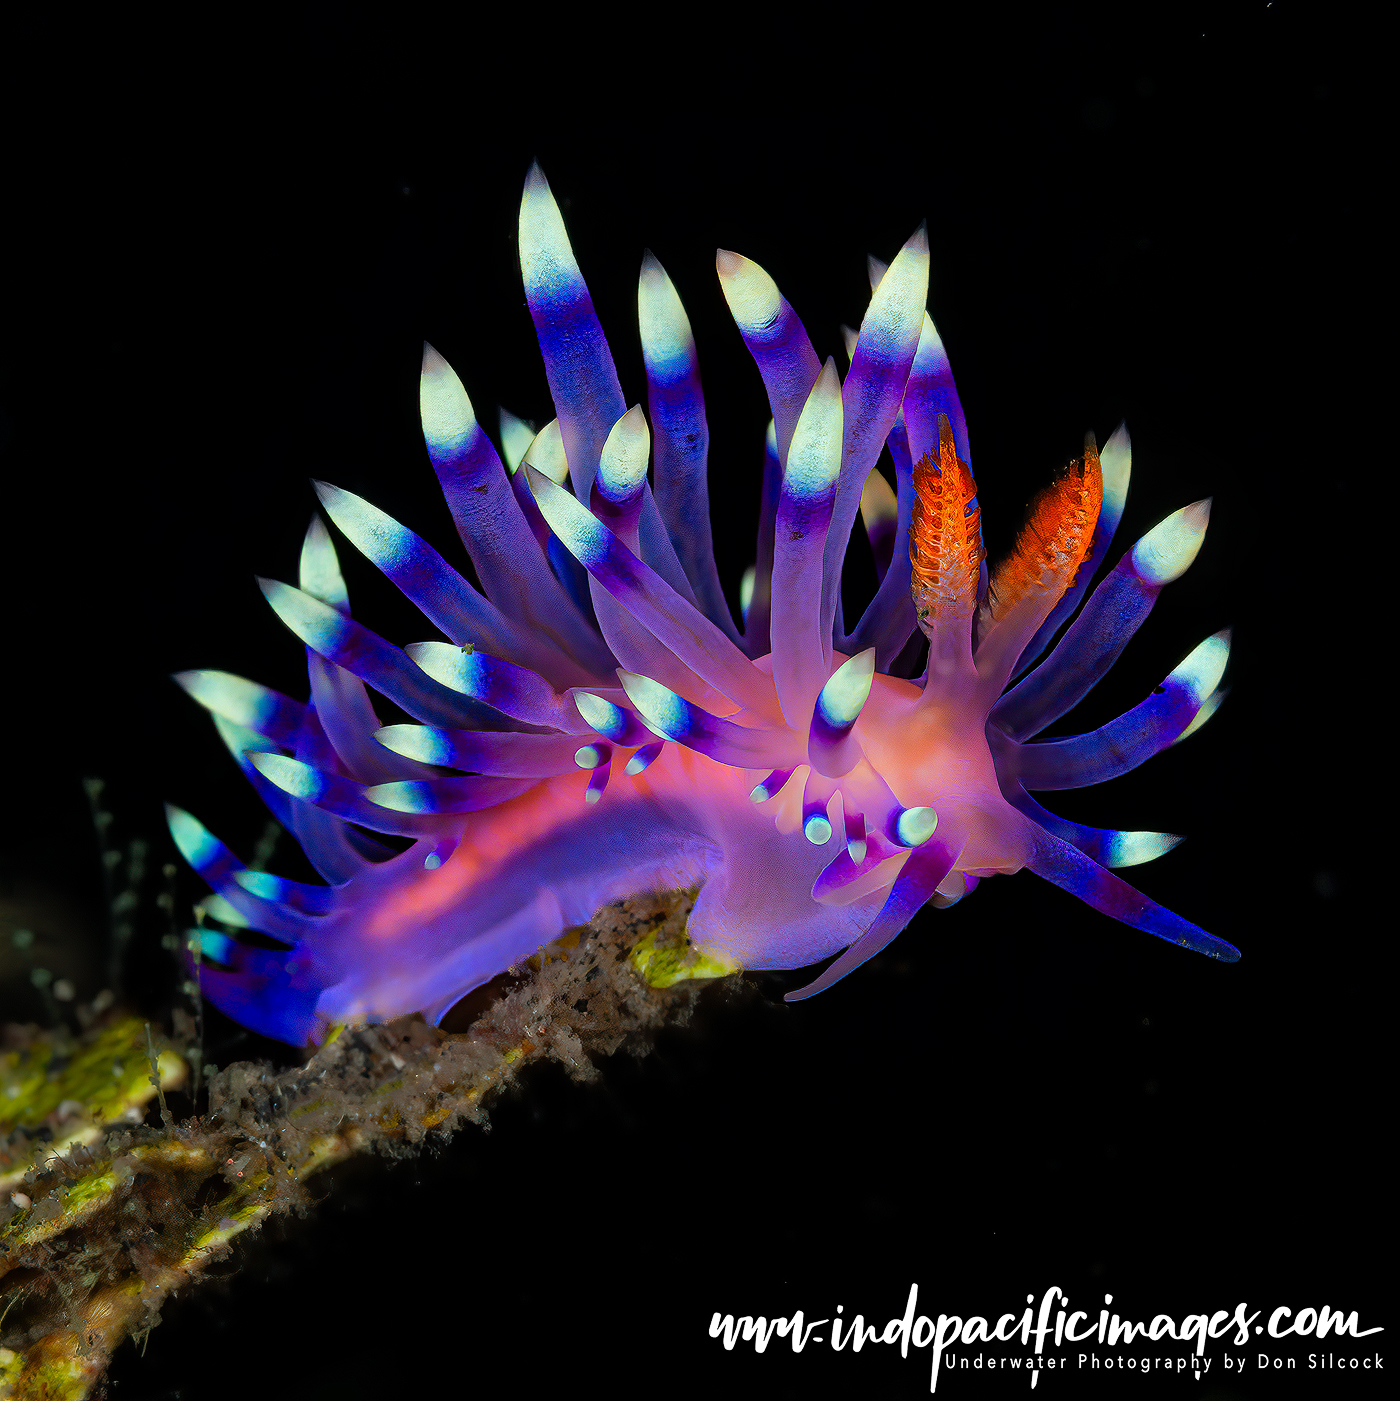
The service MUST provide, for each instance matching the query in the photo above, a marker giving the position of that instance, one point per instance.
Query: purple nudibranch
(596, 724)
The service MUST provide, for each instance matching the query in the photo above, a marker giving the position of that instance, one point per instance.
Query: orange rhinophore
(1053, 543)
(945, 539)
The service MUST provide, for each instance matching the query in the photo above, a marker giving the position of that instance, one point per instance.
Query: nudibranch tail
(592, 722)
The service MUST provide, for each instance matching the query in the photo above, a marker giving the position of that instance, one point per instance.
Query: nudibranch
(597, 724)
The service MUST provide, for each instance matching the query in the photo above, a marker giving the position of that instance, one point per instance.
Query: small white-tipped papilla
(422, 742)
(444, 663)
(853, 821)
(376, 535)
(668, 346)
(1116, 463)
(930, 356)
(814, 459)
(1208, 708)
(410, 795)
(440, 853)
(896, 313)
(746, 588)
(1135, 848)
(1166, 551)
(847, 689)
(449, 421)
(290, 775)
(193, 839)
(914, 826)
(546, 453)
(578, 529)
(547, 262)
(600, 714)
(876, 270)
(224, 912)
(623, 467)
(516, 437)
(1203, 668)
(753, 296)
(321, 626)
(244, 702)
(642, 759)
(771, 786)
(878, 503)
(216, 947)
(318, 571)
(662, 710)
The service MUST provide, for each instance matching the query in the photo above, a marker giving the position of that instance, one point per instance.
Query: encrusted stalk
(103, 1233)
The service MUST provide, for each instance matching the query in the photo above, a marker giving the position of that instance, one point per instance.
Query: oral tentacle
(914, 886)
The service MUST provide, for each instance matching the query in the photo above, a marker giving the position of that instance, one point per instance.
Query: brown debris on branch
(103, 1234)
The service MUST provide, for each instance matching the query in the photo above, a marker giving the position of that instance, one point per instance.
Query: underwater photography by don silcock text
(737, 806)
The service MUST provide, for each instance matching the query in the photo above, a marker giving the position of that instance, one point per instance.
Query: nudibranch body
(596, 724)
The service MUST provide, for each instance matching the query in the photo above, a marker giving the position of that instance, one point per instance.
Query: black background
(232, 240)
